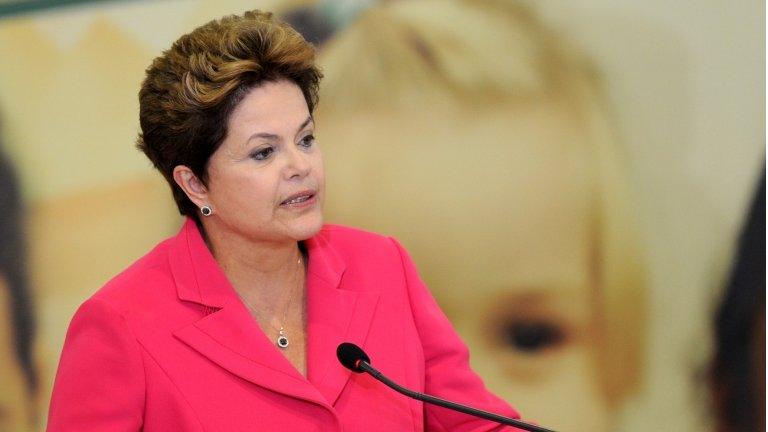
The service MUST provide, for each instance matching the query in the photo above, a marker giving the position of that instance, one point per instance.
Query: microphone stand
(366, 367)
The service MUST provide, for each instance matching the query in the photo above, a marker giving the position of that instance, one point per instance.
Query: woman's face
(266, 180)
(498, 217)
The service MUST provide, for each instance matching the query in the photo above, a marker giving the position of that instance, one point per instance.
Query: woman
(233, 323)
(488, 136)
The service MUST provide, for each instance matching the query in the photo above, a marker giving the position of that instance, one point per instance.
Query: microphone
(356, 360)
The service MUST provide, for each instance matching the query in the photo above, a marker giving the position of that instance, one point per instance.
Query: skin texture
(15, 402)
(496, 212)
(268, 156)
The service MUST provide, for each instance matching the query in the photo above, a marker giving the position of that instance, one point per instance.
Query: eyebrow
(267, 135)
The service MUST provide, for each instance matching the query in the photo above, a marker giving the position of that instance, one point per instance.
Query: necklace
(282, 339)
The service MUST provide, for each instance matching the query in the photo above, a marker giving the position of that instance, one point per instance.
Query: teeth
(298, 199)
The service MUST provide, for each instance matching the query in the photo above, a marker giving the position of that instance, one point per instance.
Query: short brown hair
(191, 89)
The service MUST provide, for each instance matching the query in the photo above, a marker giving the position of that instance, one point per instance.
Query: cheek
(245, 194)
(318, 174)
(318, 169)
(259, 196)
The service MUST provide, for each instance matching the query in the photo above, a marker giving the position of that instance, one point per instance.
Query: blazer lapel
(228, 335)
(237, 345)
(334, 315)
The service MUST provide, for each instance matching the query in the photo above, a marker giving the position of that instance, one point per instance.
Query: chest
(288, 335)
(202, 385)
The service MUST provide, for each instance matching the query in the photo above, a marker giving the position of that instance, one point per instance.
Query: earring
(206, 210)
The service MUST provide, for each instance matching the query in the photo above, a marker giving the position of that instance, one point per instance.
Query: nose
(297, 165)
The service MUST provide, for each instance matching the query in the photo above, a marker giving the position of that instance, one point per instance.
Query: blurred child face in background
(496, 210)
(15, 401)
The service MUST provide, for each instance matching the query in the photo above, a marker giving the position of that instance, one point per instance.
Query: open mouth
(299, 198)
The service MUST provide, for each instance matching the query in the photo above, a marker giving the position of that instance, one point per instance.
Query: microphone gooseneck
(355, 359)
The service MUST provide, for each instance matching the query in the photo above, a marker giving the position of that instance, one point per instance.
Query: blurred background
(571, 178)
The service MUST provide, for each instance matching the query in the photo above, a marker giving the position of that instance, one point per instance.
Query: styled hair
(476, 58)
(191, 89)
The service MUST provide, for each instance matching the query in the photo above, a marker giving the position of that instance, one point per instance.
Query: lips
(298, 198)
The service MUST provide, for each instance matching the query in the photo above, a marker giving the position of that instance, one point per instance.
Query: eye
(307, 141)
(532, 336)
(262, 153)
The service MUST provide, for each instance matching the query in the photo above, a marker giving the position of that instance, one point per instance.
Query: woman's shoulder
(346, 237)
(150, 274)
(359, 244)
(343, 233)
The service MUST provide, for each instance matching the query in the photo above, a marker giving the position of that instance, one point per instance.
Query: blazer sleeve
(100, 380)
(447, 371)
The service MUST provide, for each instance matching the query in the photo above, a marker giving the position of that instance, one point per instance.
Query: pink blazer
(168, 346)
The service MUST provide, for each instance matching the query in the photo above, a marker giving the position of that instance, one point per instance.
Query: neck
(255, 268)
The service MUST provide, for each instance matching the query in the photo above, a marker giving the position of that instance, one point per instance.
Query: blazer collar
(199, 278)
(229, 336)
(335, 314)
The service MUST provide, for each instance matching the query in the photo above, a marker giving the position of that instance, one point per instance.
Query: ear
(191, 185)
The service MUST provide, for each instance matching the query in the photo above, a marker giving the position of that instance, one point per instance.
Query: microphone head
(350, 355)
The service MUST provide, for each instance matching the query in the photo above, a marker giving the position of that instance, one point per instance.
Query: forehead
(273, 105)
(502, 195)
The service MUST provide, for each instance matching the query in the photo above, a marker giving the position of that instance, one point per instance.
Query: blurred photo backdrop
(570, 178)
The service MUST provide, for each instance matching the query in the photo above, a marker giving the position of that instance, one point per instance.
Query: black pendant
(282, 340)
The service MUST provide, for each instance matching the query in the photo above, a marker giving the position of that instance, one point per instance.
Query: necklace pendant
(282, 340)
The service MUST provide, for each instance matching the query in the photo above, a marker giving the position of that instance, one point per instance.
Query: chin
(307, 229)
